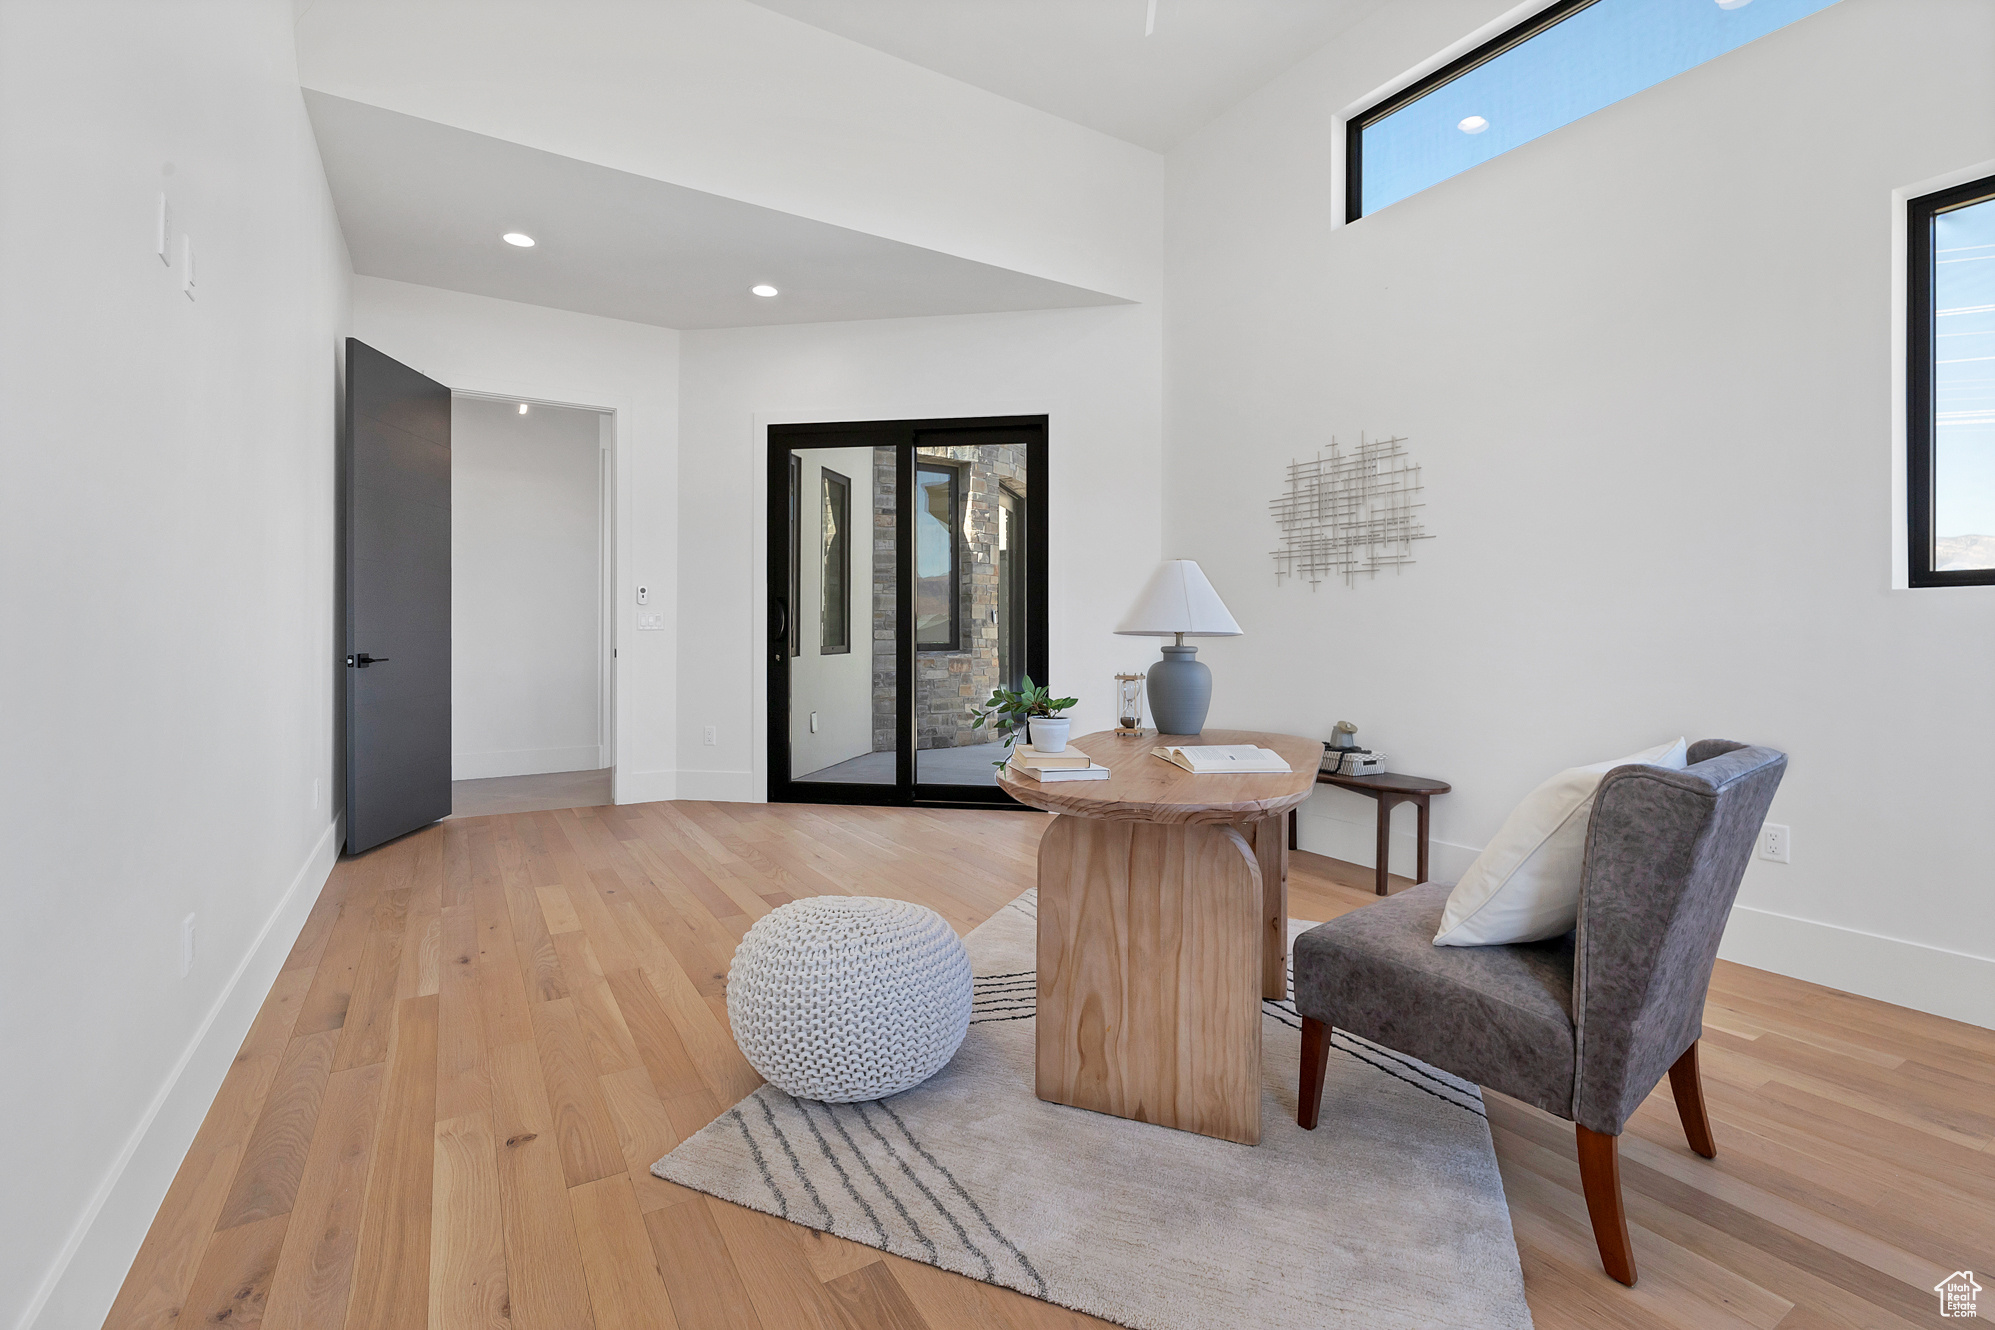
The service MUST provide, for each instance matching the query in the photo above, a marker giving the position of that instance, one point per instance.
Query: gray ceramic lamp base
(1180, 691)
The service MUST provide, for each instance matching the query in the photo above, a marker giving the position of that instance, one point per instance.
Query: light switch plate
(163, 236)
(187, 266)
(650, 622)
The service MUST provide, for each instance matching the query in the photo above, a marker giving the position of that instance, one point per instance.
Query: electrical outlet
(710, 736)
(315, 794)
(813, 722)
(187, 266)
(1774, 843)
(186, 946)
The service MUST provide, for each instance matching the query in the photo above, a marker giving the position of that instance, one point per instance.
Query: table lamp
(1179, 602)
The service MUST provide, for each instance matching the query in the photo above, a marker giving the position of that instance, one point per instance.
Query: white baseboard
(86, 1274)
(644, 787)
(1908, 974)
(651, 787)
(729, 787)
(525, 762)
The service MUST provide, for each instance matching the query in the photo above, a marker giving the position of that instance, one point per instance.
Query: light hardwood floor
(445, 1112)
(552, 791)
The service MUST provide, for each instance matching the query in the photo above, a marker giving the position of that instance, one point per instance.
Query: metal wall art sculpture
(1349, 514)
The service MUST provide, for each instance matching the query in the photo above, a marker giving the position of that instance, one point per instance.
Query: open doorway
(531, 676)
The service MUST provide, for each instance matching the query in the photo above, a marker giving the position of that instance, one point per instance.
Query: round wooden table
(1163, 922)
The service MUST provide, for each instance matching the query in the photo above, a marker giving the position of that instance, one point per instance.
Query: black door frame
(904, 436)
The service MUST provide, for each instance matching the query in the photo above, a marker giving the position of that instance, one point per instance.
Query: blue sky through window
(1964, 384)
(1607, 51)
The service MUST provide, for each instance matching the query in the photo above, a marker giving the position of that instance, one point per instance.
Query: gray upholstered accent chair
(1585, 1025)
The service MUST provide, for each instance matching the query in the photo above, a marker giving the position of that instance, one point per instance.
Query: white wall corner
(1952, 984)
(644, 787)
(84, 1278)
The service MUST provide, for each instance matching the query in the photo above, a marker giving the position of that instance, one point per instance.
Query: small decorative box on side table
(1387, 789)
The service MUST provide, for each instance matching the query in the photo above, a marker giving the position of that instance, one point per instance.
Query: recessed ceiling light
(520, 238)
(522, 408)
(763, 289)
(1475, 124)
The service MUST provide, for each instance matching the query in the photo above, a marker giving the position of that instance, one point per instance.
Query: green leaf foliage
(1007, 711)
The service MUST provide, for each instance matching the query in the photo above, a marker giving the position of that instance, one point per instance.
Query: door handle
(363, 660)
(779, 631)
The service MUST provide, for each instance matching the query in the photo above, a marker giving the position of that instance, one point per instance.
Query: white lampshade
(1178, 599)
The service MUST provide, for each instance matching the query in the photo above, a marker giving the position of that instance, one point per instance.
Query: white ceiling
(426, 203)
(1088, 60)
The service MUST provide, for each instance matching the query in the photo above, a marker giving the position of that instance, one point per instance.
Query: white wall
(166, 534)
(525, 594)
(475, 344)
(837, 686)
(1094, 372)
(1646, 364)
(733, 99)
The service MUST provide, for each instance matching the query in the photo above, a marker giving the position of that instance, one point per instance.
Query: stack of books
(1072, 764)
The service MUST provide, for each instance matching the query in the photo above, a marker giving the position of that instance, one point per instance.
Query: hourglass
(1129, 705)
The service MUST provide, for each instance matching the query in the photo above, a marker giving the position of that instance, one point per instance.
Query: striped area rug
(1390, 1214)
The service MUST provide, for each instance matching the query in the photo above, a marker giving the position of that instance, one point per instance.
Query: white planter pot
(1048, 736)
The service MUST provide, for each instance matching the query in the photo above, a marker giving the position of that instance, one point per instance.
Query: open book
(1230, 759)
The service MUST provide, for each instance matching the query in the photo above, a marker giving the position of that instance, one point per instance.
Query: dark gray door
(396, 488)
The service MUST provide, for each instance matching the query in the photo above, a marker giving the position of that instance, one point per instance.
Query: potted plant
(1032, 709)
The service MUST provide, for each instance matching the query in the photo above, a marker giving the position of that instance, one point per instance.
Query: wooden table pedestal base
(1150, 972)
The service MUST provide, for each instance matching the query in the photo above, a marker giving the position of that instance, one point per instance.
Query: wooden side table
(1163, 922)
(1387, 789)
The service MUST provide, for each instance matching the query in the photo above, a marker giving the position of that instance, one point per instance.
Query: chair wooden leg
(1315, 1061)
(1600, 1179)
(1688, 1087)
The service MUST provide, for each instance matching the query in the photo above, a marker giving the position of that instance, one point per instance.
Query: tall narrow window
(938, 599)
(1566, 61)
(1950, 386)
(835, 617)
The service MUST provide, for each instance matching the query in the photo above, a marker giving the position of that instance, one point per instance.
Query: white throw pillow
(1525, 886)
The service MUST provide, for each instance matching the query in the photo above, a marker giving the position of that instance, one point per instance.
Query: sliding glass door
(907, 580)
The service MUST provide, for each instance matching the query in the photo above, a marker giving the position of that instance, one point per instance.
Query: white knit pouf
(841, 998)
